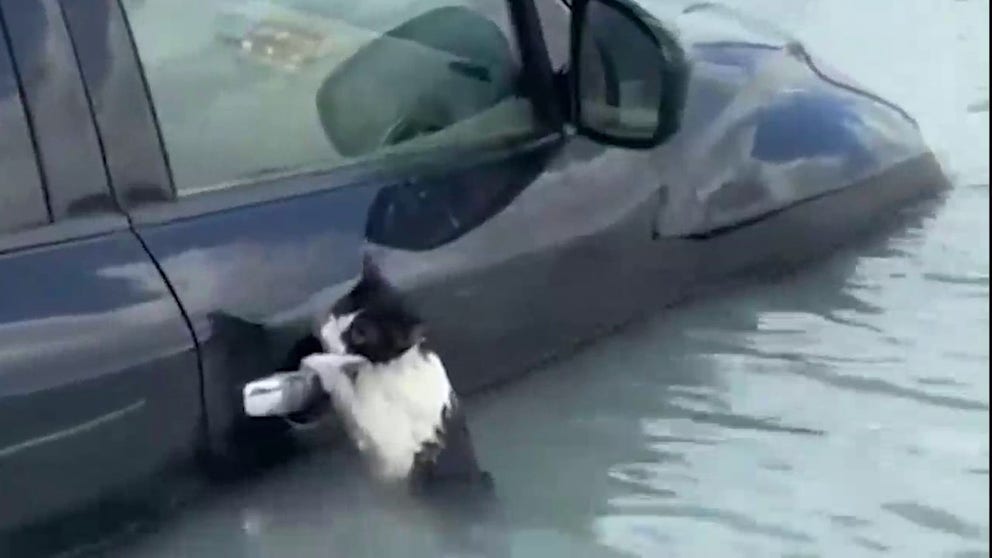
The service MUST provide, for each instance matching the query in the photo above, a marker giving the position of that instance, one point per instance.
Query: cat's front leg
(331, 369)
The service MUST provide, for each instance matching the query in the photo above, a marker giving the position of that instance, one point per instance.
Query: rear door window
(22, 198)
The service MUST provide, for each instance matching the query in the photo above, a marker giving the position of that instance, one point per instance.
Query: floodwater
(843, 411)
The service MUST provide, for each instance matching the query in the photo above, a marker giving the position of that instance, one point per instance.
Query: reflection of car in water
(526, 201)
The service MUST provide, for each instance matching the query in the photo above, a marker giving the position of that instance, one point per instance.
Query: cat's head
(372, 320)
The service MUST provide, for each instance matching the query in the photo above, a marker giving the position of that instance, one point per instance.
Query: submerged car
(531, 173)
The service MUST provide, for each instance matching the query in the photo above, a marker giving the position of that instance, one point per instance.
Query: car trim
(78, 228)
(321, 180)
(80, 428)
(59, 110)
(125, 120)
(20, 164)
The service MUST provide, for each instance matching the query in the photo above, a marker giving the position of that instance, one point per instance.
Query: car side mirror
(628, 75)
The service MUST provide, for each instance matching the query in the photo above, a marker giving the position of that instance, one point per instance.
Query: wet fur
(392, 390)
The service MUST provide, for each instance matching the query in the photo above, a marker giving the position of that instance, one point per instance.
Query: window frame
(23, 175)
(96, 212)
(146, 190)
(58, 110)
(566, 10)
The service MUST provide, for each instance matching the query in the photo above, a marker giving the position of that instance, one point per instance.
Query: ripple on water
(979, 106)
(934, 518)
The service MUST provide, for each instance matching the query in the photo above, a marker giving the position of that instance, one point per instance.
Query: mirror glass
(620, 75)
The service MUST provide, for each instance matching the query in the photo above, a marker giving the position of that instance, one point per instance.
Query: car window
(22, 199)
(246, 90)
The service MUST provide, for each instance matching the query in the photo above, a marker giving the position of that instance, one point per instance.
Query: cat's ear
(417, 334)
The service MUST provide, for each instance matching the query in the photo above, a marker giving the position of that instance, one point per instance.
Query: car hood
(767, 124)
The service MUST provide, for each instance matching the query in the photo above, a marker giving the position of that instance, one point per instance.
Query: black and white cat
(392, 391)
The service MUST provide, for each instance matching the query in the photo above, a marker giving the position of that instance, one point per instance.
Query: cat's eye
(360, 333)
(356, 335)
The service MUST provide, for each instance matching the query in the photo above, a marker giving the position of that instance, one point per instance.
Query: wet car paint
(99, 381)
(574, 239)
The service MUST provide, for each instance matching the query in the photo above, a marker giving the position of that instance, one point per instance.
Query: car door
(99, 385)
(261, 148)
(283, 139)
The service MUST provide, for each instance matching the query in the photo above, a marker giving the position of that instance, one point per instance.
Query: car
(531, 173)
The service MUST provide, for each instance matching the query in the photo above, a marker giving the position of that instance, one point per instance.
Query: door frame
(81, 211)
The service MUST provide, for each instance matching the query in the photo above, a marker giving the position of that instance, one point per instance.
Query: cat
(392, 391)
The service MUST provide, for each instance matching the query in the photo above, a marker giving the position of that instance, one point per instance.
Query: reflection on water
(837, 412)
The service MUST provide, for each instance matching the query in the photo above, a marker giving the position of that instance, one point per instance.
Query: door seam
(204, 418)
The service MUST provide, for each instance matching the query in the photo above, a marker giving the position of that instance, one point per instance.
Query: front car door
(298, 134)
(260, 148)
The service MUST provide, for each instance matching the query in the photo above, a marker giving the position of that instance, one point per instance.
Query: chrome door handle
(281, 394)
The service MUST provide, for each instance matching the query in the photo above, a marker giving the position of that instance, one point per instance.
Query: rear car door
(260, 148)
(99, 384)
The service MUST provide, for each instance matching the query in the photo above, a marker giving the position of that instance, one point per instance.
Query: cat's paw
(331, 368)
(331, 361)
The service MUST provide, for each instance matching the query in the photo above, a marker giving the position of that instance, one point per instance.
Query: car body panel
(763, 130)
(98, 377)
(99, 384)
